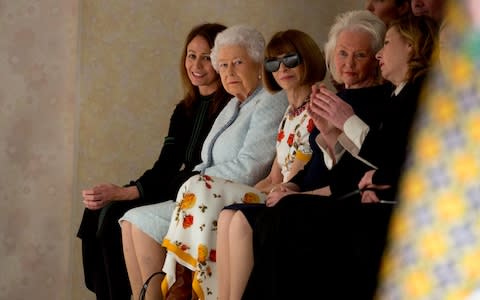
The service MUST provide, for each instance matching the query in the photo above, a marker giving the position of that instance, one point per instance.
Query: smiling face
(198, 66)
(240, 75)
(355, 63)
(386, 10)
(394, 57)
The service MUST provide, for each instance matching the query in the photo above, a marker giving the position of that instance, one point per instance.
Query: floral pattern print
(292, 138)
(191, 238)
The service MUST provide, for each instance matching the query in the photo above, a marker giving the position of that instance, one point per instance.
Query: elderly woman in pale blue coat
(239, 149)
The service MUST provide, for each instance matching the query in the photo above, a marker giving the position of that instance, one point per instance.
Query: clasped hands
(99, 196)
(327, 110)
(278, 192)
(367, 188)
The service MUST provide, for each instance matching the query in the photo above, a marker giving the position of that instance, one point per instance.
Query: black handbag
(143, 291)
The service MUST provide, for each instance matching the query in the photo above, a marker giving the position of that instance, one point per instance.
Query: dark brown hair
(192, 94)
(312, 57)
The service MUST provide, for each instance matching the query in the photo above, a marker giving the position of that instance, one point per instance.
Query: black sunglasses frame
(290, 61)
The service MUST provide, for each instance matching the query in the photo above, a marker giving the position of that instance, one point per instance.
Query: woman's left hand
(369, 196)
(277, 194)
(332, 108)
(366, 180)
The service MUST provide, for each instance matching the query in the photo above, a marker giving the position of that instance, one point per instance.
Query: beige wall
(87, 91)
(38, 53)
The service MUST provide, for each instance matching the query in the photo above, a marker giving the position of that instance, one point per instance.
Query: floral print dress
(191, 238)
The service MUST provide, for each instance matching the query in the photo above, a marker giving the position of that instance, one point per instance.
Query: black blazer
(388, 144)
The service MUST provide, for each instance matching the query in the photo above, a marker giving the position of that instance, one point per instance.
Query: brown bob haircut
(312, 58)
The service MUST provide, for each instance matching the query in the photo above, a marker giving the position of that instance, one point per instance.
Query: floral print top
(292, 138)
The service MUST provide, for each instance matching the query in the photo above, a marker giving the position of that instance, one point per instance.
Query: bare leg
(143, 257)
(223, 255)
(150, 256)
(241, 254)
(131, 262)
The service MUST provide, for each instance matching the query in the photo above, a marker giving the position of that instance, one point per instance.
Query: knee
(224, 220)
(134, 230)
(239, 225)
(126, 227)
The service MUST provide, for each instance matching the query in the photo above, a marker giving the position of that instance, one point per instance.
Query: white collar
(399, 88)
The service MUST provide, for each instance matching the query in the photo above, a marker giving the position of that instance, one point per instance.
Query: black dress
(312, 247)
(103, 262)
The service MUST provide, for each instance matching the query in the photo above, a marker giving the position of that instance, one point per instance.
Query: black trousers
(102, 252)
(311, 247)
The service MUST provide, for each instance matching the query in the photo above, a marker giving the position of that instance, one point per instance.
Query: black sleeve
(346, 175)
(314, 173)
(390, 143)
(369, 106)
(171, 157)
(299, 177)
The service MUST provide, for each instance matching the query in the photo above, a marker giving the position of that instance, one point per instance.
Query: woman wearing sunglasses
(293, 63)
(351, 233)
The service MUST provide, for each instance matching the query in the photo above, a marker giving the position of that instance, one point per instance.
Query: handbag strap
(143, 291)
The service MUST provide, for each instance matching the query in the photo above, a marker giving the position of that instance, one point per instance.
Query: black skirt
(250, 211)
(308, 246)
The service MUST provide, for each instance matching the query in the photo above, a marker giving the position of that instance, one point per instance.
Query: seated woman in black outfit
(308, 246)
(350, 56)
(103, 262)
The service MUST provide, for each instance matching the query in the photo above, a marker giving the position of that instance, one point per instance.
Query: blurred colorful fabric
(434, 250)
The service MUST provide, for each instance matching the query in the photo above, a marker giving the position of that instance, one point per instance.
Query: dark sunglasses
(290, 61)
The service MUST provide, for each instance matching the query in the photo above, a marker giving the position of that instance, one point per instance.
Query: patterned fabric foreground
(435, 233)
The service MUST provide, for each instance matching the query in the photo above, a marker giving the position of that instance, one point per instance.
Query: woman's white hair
(239, 35)
(357, 20)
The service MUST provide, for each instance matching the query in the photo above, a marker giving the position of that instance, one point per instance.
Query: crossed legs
(234, 254)
(143, 257)
(143, 229)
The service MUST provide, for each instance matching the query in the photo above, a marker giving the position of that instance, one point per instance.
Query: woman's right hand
(320, 122)
(99, 196)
